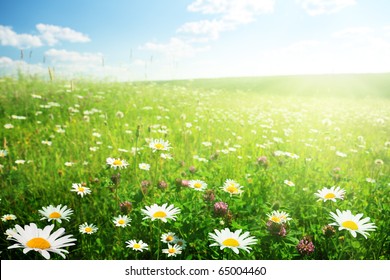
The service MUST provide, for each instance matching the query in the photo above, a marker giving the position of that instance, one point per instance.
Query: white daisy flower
(20, 161)
(198, 185)
(57, 213)
(18, 117)
(122, 221)
(181, 242)
(232, 187)
(87, 228)
(46, 142)
(3, 153)
(168, 237)
(8, 217)
(279, 217)
(144, 166)
(370, 180)
(172, 250)
(137, 246)
(207, 144)
(162, 213)
(233, 240)
(352, 223)
(159, 145)
(166, 156)
(80, 189)
(114, 163)
(330, 194)
(289, 183)
(10, 233)
(341, 154)
(41, 240)
(8, 126)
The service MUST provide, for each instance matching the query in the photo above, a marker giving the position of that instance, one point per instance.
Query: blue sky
(183, 39)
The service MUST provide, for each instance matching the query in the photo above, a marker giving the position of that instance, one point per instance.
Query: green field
(311, 132)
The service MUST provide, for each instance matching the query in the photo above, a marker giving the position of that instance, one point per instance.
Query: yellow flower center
(136, 246)
(8, 218)
(117, 162)
(38, 243)
(231, 242)
(232, 189)
(159, 214)
(275, 219)
(88, 229)
(169, 238)
(172, 250)
(330, 195)
(55, 215)
(197, 185)
(180, 243)
(159, 146)
(121, 222)
(350, 225)
(81, 189)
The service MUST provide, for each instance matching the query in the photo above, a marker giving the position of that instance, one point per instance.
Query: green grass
(313, 117)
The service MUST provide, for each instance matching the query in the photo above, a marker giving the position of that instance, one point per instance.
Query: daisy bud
(229, 217)
(182, 183)
(144, 185)
(116, 178)
(336, 170)
(282, 231)
(185, 183)
(192, 169)
(178, 182)
(220, 208)
(162, 185)
(277, 229)
(126, 207)
(262, 161)
(209, 195)
(328, 230)
(305, 246)
(214, 156)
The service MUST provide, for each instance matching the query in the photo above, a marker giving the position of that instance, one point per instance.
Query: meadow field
(275, 168)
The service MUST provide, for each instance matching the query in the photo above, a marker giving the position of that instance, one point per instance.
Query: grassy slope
(237, 106)
(346, 85)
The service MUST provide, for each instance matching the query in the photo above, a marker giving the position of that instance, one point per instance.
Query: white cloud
(353, 31)
(210, 28)
(237, 11)
(48, 35)
(13, 67)
(229, 13)
(174, 48)
(5, 61)
(301, 46)
(8, 37)
(74, 57)
(52, 34)
(351, 50)
(317, 7)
